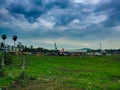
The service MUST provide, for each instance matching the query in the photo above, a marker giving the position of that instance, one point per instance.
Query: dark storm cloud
(24, 9)
(112, 9)
(32, 8)
(59, 3)
(84, 20)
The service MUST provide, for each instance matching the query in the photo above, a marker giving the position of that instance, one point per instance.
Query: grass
(68, 72)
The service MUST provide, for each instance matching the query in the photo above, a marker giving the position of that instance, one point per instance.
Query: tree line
(5, 48)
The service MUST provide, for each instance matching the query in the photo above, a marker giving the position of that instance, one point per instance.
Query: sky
(71, 24)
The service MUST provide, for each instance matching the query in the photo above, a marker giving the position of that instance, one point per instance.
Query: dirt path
(42, 85)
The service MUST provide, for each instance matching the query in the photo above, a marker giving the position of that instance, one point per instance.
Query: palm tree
(14, 39)
(3, 37)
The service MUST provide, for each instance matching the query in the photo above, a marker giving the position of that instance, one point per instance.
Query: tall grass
(89, 73)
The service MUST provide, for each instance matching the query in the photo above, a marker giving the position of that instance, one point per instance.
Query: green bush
(0, 65)
(2, 72)
(8, 60)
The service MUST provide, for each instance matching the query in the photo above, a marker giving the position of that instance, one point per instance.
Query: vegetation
(65, 73)
(8, 61)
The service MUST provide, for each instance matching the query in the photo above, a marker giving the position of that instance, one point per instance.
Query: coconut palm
(14, 39)
(3, 37)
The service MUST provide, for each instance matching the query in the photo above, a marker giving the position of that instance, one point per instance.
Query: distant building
(77, 52)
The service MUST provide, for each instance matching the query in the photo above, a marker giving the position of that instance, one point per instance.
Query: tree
(8, 48)
(31, 47)
(12, 48)
(3, 59)
(20, 47)
(2, 45)
(14, 39)
(4, 37)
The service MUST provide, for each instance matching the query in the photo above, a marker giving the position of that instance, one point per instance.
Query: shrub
(8, 60)
(2, 72)
(0, 65)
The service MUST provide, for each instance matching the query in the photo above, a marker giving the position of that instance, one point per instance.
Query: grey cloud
(60, 18)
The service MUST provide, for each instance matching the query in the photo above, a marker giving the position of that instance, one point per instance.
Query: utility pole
(23, 61)
(100, 46)
(55, 46)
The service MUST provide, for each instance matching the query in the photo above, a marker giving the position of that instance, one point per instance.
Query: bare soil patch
(71, 70)
(42, 85)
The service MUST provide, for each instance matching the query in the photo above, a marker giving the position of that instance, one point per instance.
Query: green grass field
(67, 73)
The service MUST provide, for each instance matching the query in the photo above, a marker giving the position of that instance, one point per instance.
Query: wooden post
(3, 58)
(23, 68)
(23, 64)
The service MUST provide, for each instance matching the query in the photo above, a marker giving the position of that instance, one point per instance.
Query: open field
(65, 73)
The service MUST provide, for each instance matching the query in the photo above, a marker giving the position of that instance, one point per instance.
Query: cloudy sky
(72, 24)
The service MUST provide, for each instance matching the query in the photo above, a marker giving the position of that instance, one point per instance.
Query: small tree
(14, 39)
(2, 45)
